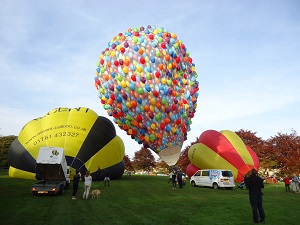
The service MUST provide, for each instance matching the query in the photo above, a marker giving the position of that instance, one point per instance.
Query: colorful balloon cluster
(147, 81)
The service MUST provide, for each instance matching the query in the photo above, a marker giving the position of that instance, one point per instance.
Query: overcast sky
(247, 56)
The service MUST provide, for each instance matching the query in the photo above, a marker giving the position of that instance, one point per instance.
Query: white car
(214, 178)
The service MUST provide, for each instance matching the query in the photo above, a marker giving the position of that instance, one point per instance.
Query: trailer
(52, 165)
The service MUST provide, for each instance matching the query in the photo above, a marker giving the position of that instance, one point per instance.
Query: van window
(205, 173)
(227, 173)
(197, 174)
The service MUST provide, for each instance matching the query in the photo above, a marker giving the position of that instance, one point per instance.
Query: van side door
(204, 179)
(196, 177)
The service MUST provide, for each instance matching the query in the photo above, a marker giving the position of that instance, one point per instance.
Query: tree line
(279, 153)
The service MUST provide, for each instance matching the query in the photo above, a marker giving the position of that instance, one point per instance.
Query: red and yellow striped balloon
(223, 150)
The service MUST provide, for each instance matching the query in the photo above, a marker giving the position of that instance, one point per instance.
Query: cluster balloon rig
(146, 80)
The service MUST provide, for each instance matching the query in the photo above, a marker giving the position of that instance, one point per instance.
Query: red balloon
(191, 170)
(133, 77)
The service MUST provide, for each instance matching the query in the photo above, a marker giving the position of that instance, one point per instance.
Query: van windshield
(227, 173)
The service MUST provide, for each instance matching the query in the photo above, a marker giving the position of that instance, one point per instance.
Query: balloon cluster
(147, 81)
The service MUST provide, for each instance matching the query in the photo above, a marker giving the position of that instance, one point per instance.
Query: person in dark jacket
(174, 180)
(179, 178)
(255, 184)
(98, 174)
(76, 179)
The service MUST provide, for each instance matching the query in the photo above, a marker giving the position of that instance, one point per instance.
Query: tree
(184, 160)
(143, 160)
(263, 151)
(128, 163)
(161, 166)
(5, 142)
(280, 152)
(286, 152)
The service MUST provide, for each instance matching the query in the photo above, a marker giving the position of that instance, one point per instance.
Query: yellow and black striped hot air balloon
(89, 141)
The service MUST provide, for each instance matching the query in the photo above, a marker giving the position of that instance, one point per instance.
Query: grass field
(141, 199)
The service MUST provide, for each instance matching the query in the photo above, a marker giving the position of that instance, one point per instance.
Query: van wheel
(193, 184)
(215, 185)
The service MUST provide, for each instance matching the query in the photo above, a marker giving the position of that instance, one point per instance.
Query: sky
(246, 53)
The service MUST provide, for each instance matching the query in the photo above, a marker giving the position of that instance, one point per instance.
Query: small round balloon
(147, 82)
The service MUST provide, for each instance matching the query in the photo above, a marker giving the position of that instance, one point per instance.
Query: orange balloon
(158, 105)
(135, 123)
(167, 57)
(133, 103)
(119, 106)
(109, 101)
(141, 51)
(146, 108)
(160, 66)
(167, 120)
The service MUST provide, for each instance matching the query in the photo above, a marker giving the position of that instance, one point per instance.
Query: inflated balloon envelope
(88, 141)
(147, 81)
(223, 150)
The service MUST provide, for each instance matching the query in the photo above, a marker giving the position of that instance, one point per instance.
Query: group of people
(294, 182)
(87, 183)
(255, 184)
(176, 176)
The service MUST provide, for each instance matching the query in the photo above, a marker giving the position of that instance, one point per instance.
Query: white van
(214, 178)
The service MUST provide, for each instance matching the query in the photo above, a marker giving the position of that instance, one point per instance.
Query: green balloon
(101, 90)
(141, 91)
(152, 137)
(119, 78)
(148, 76)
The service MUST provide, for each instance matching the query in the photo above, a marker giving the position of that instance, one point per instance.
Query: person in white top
(87, 185)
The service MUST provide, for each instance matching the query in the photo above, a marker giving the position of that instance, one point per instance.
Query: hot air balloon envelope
(223, 150)
(88, 141)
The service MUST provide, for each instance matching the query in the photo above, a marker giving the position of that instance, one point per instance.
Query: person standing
(255, 184)
(179, 178)
(296, 183)
(170, 176)
(87, 184)
(76, 179)
(174, 180)
(98, 174)
(287, 183)
(106, 179)
(275, 181)
(246, 176)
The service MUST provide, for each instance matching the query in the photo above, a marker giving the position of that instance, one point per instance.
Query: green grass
(139, 199)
